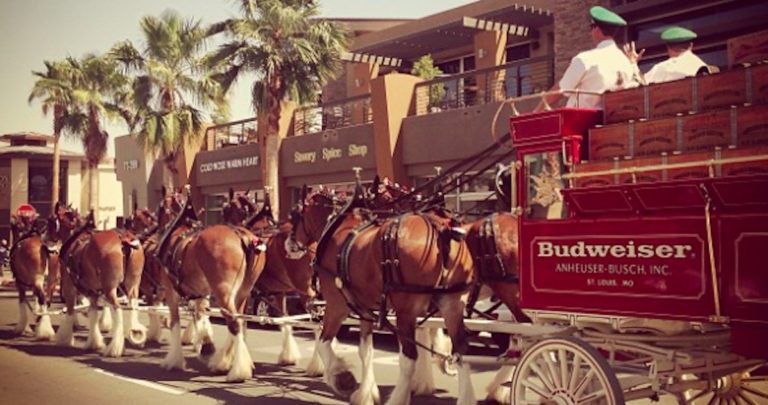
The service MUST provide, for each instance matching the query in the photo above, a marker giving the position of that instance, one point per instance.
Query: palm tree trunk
(56, 169)
(93, 193)
(270, 148)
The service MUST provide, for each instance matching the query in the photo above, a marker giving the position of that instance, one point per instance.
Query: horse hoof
(346, 383)
(207, 349)
(449, 368)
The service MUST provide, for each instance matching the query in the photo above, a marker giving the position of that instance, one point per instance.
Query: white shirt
(598, 70)
(684, 65)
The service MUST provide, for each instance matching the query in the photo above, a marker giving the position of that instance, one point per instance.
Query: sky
(32, 31)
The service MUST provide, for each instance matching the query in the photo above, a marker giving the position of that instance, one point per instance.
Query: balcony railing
(484, 86)
(232, 133)
(333, 115)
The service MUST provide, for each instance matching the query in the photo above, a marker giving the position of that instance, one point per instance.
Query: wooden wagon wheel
(737, 388)
(565, 371)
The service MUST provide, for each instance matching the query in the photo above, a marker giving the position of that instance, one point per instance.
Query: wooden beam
(490, 25)
(368, 58)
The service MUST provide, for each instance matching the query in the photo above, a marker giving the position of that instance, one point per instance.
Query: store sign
(129, 165)
(228, 164)
(329, 154)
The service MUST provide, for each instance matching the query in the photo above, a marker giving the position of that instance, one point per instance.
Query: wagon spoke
(583, 383)
(698, 396)
(713, 399)
(562, 358)
(542, 376)
(755, 392)
(552, 369)
(536, 389)
(747, 399)
(592, 396)
(576, 371)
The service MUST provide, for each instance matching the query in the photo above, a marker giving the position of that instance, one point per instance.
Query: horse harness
(393, 279)
(488, 261)
(172, 259)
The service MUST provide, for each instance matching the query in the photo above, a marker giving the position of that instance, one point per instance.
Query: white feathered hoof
(22, 328)
(44, 329)
(316, 368)
(500, 395)
(155, 331)
(221, 361)
(207, 349)
(137, 337)
(290, 354)
(65, 334)
(340, 379)
(116, 346)
(242, 364)
(366, 396)
(175, 357)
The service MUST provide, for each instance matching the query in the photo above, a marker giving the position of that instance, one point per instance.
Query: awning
(455, 28)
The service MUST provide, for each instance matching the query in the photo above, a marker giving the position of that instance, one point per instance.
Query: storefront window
(213, 208)
(544, 182)
(39, 186)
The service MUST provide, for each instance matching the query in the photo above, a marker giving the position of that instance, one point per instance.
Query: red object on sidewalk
(25, 210)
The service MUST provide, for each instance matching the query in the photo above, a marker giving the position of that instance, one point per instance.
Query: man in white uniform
(604, 68)
(682, 61)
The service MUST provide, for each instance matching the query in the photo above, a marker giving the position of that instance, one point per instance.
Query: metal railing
(514, 79)
(333, 115)
(233, 133)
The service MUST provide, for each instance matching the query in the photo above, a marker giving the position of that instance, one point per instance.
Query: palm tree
(98, 85)
(171, 82)
(292, 52)
(54, 90)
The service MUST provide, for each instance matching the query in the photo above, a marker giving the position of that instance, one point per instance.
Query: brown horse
(402, 263)
(33, 251)
(287, 269)
(222, 260)
(98, 263)
(493, 241)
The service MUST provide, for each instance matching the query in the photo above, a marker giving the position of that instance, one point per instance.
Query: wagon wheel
(737, 388)
(564, 371)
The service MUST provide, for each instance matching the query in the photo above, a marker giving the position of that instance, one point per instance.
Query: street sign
(25, 210)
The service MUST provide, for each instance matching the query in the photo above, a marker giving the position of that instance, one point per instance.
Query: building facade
(381, 119)
(26, 174)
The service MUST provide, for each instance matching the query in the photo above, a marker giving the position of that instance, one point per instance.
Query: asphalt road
(34, 372)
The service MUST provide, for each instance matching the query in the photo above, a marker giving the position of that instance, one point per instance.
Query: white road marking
(148, 384)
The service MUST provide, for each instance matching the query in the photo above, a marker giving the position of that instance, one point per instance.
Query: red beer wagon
(657, 261)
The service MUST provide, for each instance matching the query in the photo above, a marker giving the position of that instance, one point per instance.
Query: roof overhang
(455, 28)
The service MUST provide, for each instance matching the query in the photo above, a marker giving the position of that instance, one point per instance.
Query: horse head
(309, 217)
(170, 206)
(63, 222)
(141, 220)
(238, 208)
(386, 194)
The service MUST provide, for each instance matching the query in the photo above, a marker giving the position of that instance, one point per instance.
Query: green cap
(678, 34)
(605, 16)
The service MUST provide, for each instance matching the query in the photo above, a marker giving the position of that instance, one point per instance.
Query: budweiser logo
(627, 250)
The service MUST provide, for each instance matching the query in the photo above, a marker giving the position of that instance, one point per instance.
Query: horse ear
(304, 192)
(231, 194)
(163, 192)
(375, 185)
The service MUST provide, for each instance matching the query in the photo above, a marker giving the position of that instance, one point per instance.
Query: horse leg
(368, 392)
(137, 333)
(175, 357)
(105, 321)
(203, 338)
(442, 345)
(337, 374)
(65, 336)
(23, 326)
(452, 308)
(95, 339)
(290, 354)
(234, 357)
(423, 382)
(406, 326)
(117, 344)
(44, 328)
(190, 333)
(315, 367)
(155, 326)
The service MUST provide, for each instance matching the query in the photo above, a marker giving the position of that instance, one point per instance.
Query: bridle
(298, 217)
